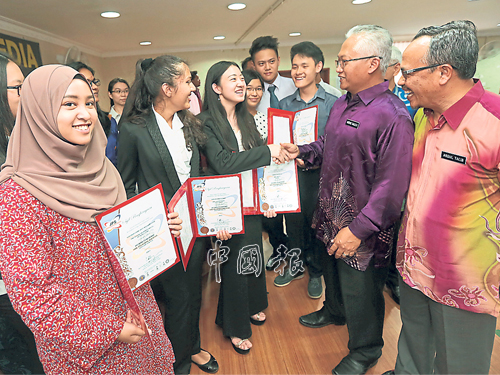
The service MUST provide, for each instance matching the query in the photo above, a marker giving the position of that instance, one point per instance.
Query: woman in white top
(159, 140)
(255, 87)
(118, 90)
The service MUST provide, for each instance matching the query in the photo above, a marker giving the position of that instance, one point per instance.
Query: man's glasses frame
(343, 62)
(409, 72)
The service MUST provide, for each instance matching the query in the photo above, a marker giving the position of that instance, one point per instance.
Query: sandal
(258, 321)
(237, 347)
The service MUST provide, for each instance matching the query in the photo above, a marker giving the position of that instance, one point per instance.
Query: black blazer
(223, 157)
(144, 158)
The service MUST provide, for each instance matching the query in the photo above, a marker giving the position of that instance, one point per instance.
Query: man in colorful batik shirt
(449, 245)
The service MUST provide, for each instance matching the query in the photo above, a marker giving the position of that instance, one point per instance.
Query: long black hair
(111, 85)
(150, 77)
(250, 136)
(7, 118)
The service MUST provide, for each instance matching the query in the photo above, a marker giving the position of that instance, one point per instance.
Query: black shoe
(349, 366)
(320, 318)
(211, 366)
(394, 292)
(270, 264)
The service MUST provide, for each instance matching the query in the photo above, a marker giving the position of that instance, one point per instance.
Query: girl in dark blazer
(234, 145)
(159, 140)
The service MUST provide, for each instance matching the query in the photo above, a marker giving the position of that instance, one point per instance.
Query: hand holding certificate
(206, 206)
(278, 183)
(139, 236)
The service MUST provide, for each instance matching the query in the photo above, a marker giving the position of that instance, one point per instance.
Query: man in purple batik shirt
(365, 157)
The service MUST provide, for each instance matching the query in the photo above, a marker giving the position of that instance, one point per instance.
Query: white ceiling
(189, 25)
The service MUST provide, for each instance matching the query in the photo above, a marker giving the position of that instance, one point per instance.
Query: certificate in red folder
(300, 127)
(138, 234)
(278, 185)
(249, 193)
(207, 205)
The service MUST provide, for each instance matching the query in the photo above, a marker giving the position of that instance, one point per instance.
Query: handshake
(284, 152)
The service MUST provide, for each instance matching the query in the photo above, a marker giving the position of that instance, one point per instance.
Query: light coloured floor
(283, 346)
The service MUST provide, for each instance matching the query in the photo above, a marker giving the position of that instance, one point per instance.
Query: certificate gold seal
(265, 206)
(204, 230)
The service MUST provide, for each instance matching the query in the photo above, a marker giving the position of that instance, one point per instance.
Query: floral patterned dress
(59, 278)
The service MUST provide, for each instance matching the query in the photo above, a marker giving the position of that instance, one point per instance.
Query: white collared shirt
(115, 114)
(176, 144)
(330, 89)
(284, 87)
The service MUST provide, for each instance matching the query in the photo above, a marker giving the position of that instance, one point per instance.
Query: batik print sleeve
(392, 178)
(312, 153)
(64, 323)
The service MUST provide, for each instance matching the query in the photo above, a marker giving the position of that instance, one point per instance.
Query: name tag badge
(453, 157)
(352, 123)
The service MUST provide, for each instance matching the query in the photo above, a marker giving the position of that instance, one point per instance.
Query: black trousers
(241, 295)
(18, 353)
(274, 228)
(300, 233)
(357, 297)
(180, 293)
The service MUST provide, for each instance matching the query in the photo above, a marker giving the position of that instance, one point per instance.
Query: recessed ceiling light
(236, 6)
(359, 2)
(145, 43)
(498, 25)
(295, 34)
(219, 37)
(110, 14)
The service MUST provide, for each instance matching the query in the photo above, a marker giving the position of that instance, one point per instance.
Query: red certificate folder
(153, 233)
(250, 186)
(207, 205)
(303, 125)
(138, 235)
(277, 186)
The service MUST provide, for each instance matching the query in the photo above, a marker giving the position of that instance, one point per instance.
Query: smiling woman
(158, 143)
(234, 146)
(53, 258)
(77, 117)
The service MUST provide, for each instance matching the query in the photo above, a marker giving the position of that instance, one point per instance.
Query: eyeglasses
(119, 92)
(342, 63)
(96, 82)
(392, 64)
(408, 72)
(256, 90)
(17, 87)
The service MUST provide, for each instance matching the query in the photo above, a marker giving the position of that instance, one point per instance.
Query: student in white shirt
(159, 141)
(118, 90)
(264, 53)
